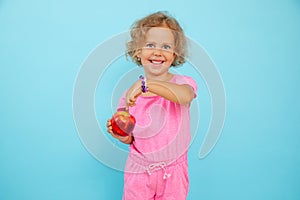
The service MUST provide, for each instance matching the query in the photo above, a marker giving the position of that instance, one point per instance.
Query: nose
(157, 52)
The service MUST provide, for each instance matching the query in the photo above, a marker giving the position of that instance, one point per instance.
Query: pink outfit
(156, 167)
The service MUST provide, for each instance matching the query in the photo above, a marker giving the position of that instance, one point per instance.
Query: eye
(149, 45)
(166, 47)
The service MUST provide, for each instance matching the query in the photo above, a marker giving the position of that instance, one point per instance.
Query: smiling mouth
(157, 62)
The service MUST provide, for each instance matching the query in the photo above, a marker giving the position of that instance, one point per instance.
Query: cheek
(145, 54)
(145, 58)
(171, 57)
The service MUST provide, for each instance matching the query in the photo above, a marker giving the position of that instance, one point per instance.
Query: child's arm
(182, 94)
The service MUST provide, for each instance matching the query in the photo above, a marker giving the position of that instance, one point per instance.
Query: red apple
(122, 123)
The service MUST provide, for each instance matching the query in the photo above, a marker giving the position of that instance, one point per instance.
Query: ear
(138, 53)
(174, 57)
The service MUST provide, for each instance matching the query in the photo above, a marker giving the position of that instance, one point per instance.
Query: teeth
(156, 62)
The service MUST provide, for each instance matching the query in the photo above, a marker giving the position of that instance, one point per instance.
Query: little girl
(157, 166)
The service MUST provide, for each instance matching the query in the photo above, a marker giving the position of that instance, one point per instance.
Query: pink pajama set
(157, 167)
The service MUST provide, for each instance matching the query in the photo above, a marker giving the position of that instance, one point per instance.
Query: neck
(164, 77)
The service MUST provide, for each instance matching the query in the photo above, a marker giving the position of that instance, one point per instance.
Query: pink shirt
(162, 130)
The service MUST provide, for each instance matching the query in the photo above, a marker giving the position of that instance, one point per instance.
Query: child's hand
(133, 92)
(126, 139)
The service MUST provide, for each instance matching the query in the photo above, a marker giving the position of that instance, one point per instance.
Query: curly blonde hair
(158, 19)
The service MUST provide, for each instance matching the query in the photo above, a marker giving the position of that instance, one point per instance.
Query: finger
(116, 136)
(109, 126)
(138, 94)
(132, 102)
(109, 130)
(108, 123)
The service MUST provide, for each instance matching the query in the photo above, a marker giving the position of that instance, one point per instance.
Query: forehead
(160, 35)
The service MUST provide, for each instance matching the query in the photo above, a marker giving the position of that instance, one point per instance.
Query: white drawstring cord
(161, 165)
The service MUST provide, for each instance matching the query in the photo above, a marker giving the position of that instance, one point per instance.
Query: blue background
(255, 45)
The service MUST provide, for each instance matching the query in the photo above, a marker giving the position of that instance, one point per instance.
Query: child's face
(157, 53)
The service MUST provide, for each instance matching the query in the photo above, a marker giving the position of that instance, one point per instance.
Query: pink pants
(160, 183)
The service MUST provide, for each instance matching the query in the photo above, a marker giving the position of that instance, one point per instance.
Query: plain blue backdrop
(255, 45)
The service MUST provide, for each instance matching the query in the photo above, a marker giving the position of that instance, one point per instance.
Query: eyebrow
(171, 44)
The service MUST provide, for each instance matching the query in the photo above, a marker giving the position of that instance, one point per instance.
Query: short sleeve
(122, 102)
(189, 81)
